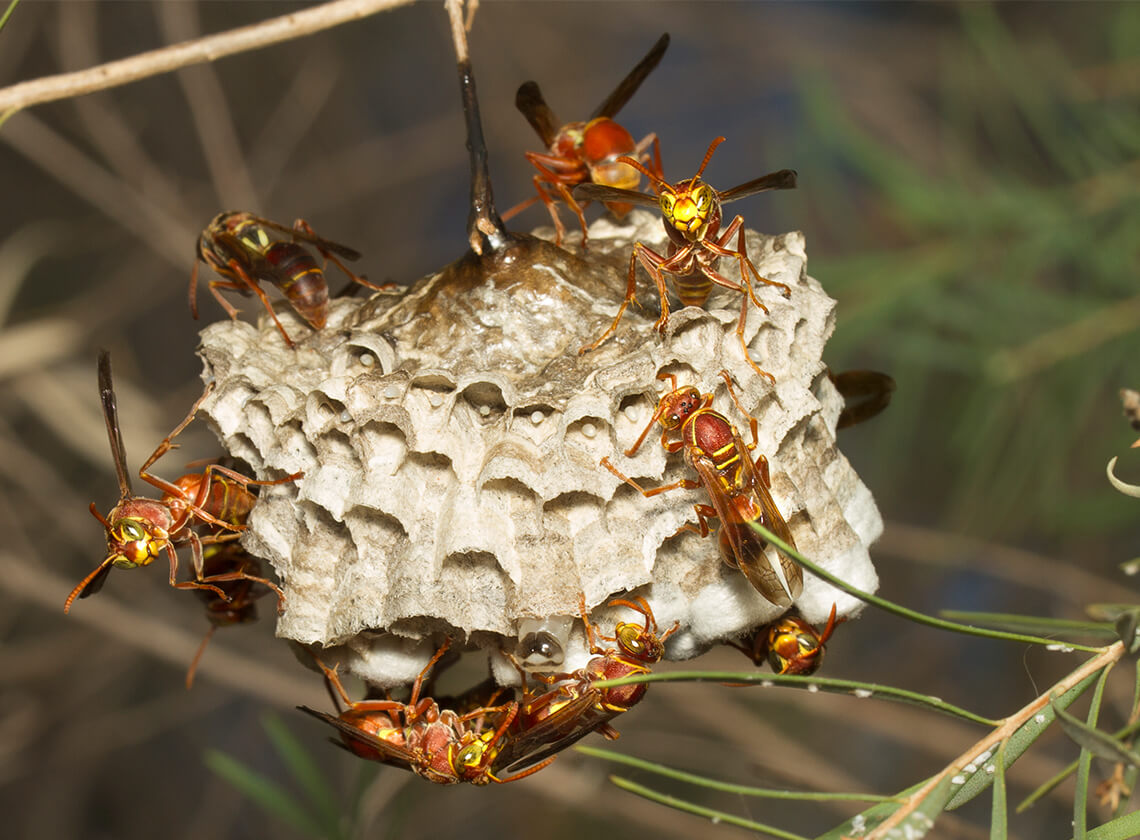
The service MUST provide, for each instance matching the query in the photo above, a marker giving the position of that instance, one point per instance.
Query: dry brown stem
(197, 51)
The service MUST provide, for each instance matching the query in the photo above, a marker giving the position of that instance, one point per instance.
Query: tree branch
(197, 51)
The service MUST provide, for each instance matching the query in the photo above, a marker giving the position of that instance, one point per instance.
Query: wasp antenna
(708, 156)
(485, 228)
(77, 592)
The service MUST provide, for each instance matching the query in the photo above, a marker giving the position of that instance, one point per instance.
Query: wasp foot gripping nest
(450, 439)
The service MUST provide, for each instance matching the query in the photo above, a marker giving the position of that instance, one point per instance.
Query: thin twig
(197, 51)
(1011, 724)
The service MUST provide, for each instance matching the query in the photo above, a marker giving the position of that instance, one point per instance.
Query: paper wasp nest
(450, 440)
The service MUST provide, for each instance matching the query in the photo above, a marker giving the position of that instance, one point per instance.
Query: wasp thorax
(433, 504)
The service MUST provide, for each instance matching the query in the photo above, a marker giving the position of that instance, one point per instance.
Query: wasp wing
(95, 582)
(320, 242)
(388, 753)
(549, 736)
(785, 179)
(529, 101)
(114, 433)
(600, 192)
(773, 520)
(628, 86)
(710, 479)
(874, 387)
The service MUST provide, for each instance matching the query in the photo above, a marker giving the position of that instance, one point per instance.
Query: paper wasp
(789, 645)
(436, 744)
(139, 530)
(691, 213)
(737, 485)
(581, 152)
(573, 707)
(241, 249)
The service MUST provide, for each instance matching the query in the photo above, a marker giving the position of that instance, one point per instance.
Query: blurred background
(968, 187)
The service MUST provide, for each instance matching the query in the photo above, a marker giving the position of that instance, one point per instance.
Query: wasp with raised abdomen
(245, 251)
(585, 152)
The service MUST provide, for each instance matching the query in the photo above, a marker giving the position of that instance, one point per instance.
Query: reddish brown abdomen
(301, 281)
(712, 435)
(226, 500)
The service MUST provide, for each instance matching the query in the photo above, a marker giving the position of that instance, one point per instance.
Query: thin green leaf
(1100, 744)
(1047, 786)
(1033, 624)
(1124, 828)
(305, 771)
(271, 798)
(1108, 613)
(700, 811)
(828, 684)
(904, 612)
(1124, 487)
(728, 787)
(999, 815)
(1131, 775)
(1081, 797)
(8, 13)
(1016, 744)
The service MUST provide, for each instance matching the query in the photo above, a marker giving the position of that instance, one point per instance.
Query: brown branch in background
(209, 48)
(30, 583)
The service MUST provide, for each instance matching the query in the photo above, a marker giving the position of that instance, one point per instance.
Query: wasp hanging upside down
(583, 152)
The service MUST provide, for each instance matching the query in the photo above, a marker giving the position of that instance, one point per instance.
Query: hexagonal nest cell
(450, 438)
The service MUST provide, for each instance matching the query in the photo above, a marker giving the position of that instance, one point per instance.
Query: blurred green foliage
(1006, 298)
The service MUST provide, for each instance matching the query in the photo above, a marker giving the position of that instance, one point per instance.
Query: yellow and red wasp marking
(140, 530)
(737, 485)
(436, 744)
(691, 213)
(789, 645)
(590, 151)
(574, 706)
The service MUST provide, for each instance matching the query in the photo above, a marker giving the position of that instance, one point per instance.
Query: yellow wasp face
(132, 545)
(689, 208)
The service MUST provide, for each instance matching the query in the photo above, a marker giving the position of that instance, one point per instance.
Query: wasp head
(133, 542)
(689, 208)
(640, 641)
(472, 761)
(677, 406)
(794, 647)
